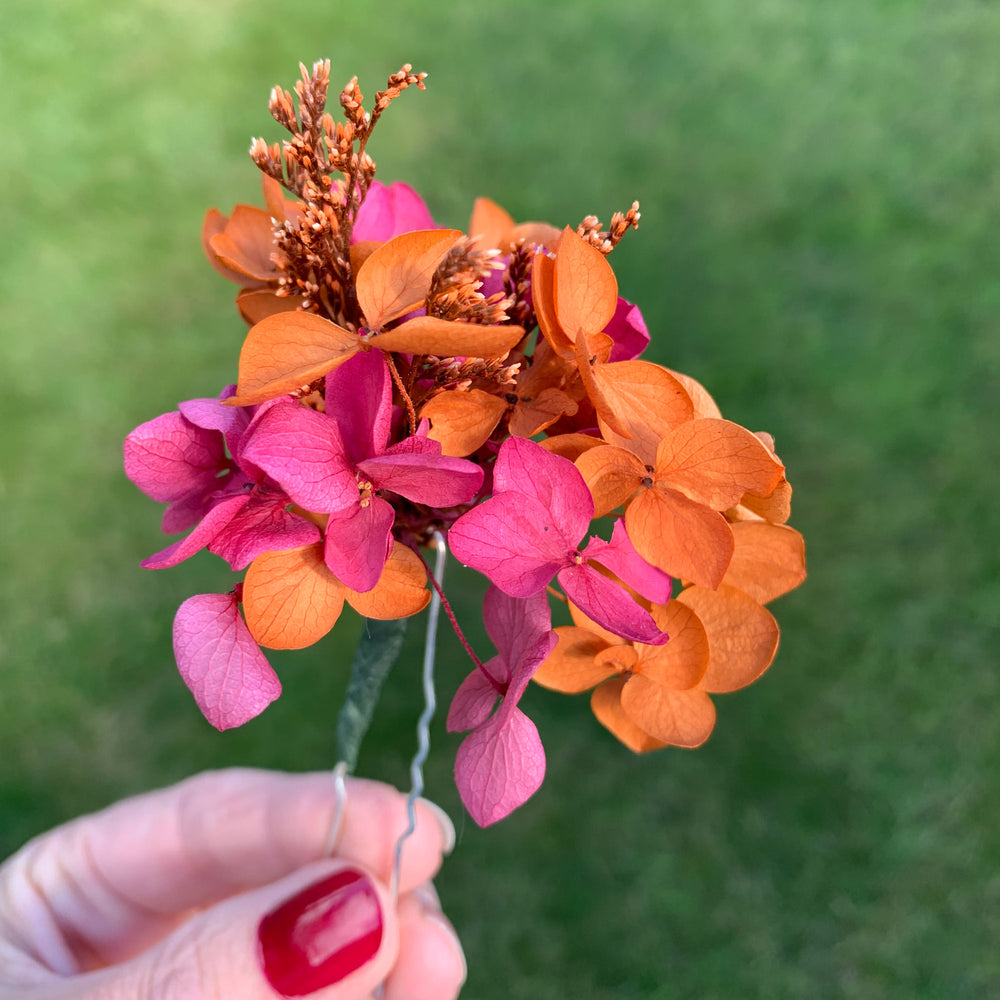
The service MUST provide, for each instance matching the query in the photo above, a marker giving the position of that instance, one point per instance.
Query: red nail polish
(321, 935)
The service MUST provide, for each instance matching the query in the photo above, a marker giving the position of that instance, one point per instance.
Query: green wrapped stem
(378, 650)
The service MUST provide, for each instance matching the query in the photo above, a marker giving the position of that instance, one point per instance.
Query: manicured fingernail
(447, 827)
(322, 934)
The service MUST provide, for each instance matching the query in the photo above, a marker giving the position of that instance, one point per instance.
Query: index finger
(117, 880)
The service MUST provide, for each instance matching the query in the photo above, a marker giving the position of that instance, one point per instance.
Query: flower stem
(457, 628)
(377, 651)
(410, 412)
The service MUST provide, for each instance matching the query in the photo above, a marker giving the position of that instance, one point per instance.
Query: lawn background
(821, 209)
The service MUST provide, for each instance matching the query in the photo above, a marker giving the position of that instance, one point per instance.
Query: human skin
(177, 893)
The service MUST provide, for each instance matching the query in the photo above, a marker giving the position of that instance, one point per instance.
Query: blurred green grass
(821, 204)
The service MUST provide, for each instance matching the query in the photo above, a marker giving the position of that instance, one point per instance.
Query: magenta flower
(390, 210)
(628, 331)
(529, 532)
(220, 662)
(181, 459)
(338, 463)
(502, 762)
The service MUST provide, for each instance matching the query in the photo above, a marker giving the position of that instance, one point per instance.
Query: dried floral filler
(402, 384)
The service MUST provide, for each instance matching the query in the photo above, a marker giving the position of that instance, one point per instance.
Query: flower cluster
(401, 380)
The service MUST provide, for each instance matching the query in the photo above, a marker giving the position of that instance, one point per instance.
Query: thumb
(328, 931)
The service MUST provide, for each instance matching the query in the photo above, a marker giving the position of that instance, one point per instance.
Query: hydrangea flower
(400, 381)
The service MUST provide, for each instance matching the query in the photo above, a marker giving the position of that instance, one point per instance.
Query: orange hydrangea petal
(606, 702)
(290, 599)
(776, 507)
(396, 277)
(401, 590)
(256, 304)
(360, 252)
(463, 421)
(490, 223)
(279, 206)
(622, 658)
(570, 667)
(214, 225)
(742, 636)
(582, 621)
(769, 560)
(450, 338)
(543, 411)
(704, 404)
(543, 301)
(543, 391)
(648, 402)
(585, 287)
(246, 244)
(682, 661)
(714, 462)
(571, 446)
(591, 351)
(274, 197)
(681, 537)
(540, 233)
(612, 475)
(677, 718)
(285, 351)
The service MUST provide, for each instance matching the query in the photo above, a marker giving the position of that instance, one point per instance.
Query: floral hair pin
(404, 386)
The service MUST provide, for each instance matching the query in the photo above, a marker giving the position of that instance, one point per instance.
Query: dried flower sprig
(313, 245)
(401, 383)
(590, 228)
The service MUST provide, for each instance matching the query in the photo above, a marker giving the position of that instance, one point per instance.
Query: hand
(218, 888)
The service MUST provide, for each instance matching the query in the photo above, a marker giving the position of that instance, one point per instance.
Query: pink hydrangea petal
(237, 442)
(184, 514)
(499, 767)
(211, 524)
(415, 444)
(509, 538)
(358, 544)
(515, 625)
(359, 398)
(230, 678)
(390, 210)
(620, 556)
(474, 699)
(435, 480)
(302, 451)
(171, 459)
(555, 482)
(606, 603)
(263, 525)
(628, 331)
(230, 421)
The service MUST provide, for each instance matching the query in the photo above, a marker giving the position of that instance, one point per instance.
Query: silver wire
(340, 785)
(424, 723)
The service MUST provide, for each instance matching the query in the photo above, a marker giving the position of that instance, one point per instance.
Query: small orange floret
(291, 599)
(655, 696)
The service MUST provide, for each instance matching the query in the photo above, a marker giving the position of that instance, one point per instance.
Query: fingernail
(447, 827)
(322, 934)
(441, 921)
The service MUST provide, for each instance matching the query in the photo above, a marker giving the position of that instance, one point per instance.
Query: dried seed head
(590, 228)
